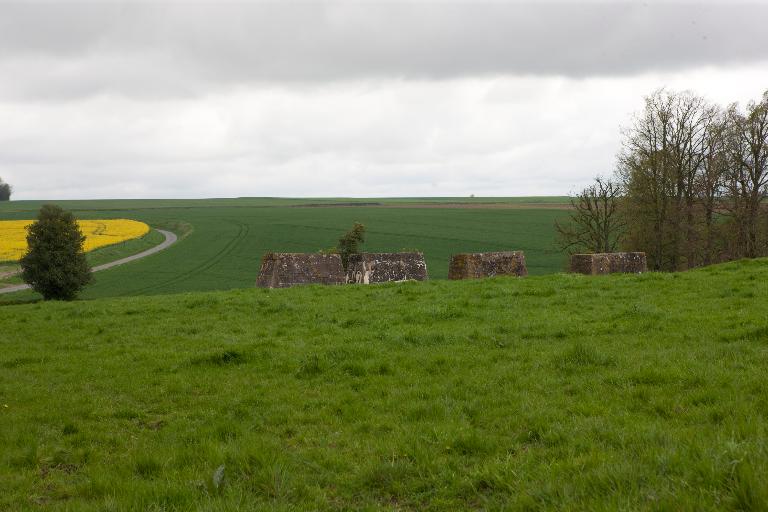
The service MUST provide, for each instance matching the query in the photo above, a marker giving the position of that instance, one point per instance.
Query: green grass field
(559, 392)
(227, 237)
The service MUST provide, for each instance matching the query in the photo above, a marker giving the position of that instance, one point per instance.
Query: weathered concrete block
(369, 267)
(285, 269)
(487, 264)
(609, 263)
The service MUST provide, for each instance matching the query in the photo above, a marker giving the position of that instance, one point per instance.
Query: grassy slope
(553, 392)
(229, 237)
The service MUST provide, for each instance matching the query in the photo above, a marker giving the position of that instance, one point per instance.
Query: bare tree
(695, 179)
(595, 223)
(660, 164)
(711, 185)
(747, 180)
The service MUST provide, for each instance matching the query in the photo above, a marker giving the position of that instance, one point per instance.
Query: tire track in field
(205, 265)
(243, 230)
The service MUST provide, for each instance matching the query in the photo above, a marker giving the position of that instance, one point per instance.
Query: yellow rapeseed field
(98, 233)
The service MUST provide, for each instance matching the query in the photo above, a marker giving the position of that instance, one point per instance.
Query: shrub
(5, 191)
(349, 243)
(55, 265)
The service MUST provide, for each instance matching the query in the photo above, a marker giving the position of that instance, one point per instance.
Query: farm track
(11, 273)
(170, 239)
(242, 234)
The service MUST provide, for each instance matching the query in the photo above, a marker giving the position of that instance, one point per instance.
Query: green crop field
(560, 392)
(226, 238)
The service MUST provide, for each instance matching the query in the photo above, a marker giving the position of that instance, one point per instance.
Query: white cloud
(500, 135)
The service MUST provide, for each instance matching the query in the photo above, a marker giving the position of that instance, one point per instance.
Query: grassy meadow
(559, 392)
(226, 238)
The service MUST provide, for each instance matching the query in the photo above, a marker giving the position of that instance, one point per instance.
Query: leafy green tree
(350, 242)
(55, 265)
(5, 191)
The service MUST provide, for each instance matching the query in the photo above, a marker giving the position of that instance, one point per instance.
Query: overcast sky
(357, 99)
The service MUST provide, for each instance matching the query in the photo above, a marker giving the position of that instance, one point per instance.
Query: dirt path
(170, 239)
(9, 273)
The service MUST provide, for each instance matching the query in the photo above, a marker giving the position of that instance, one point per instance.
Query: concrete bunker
(487, 264)
(382, 267)
(286, 269)
(609, 263)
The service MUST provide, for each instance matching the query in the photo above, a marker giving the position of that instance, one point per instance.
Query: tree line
(689, 188)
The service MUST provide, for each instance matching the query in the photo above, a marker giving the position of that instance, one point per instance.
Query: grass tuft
(223, 358)
(580, 355)
(147, 467)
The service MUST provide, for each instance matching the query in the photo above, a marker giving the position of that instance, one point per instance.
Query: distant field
(561, 392)
(227, 237)
(265, 202)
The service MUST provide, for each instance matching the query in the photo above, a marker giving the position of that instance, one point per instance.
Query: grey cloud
(73, 50)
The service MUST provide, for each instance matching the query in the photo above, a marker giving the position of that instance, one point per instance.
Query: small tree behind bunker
(55, 265)
(350, 242)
